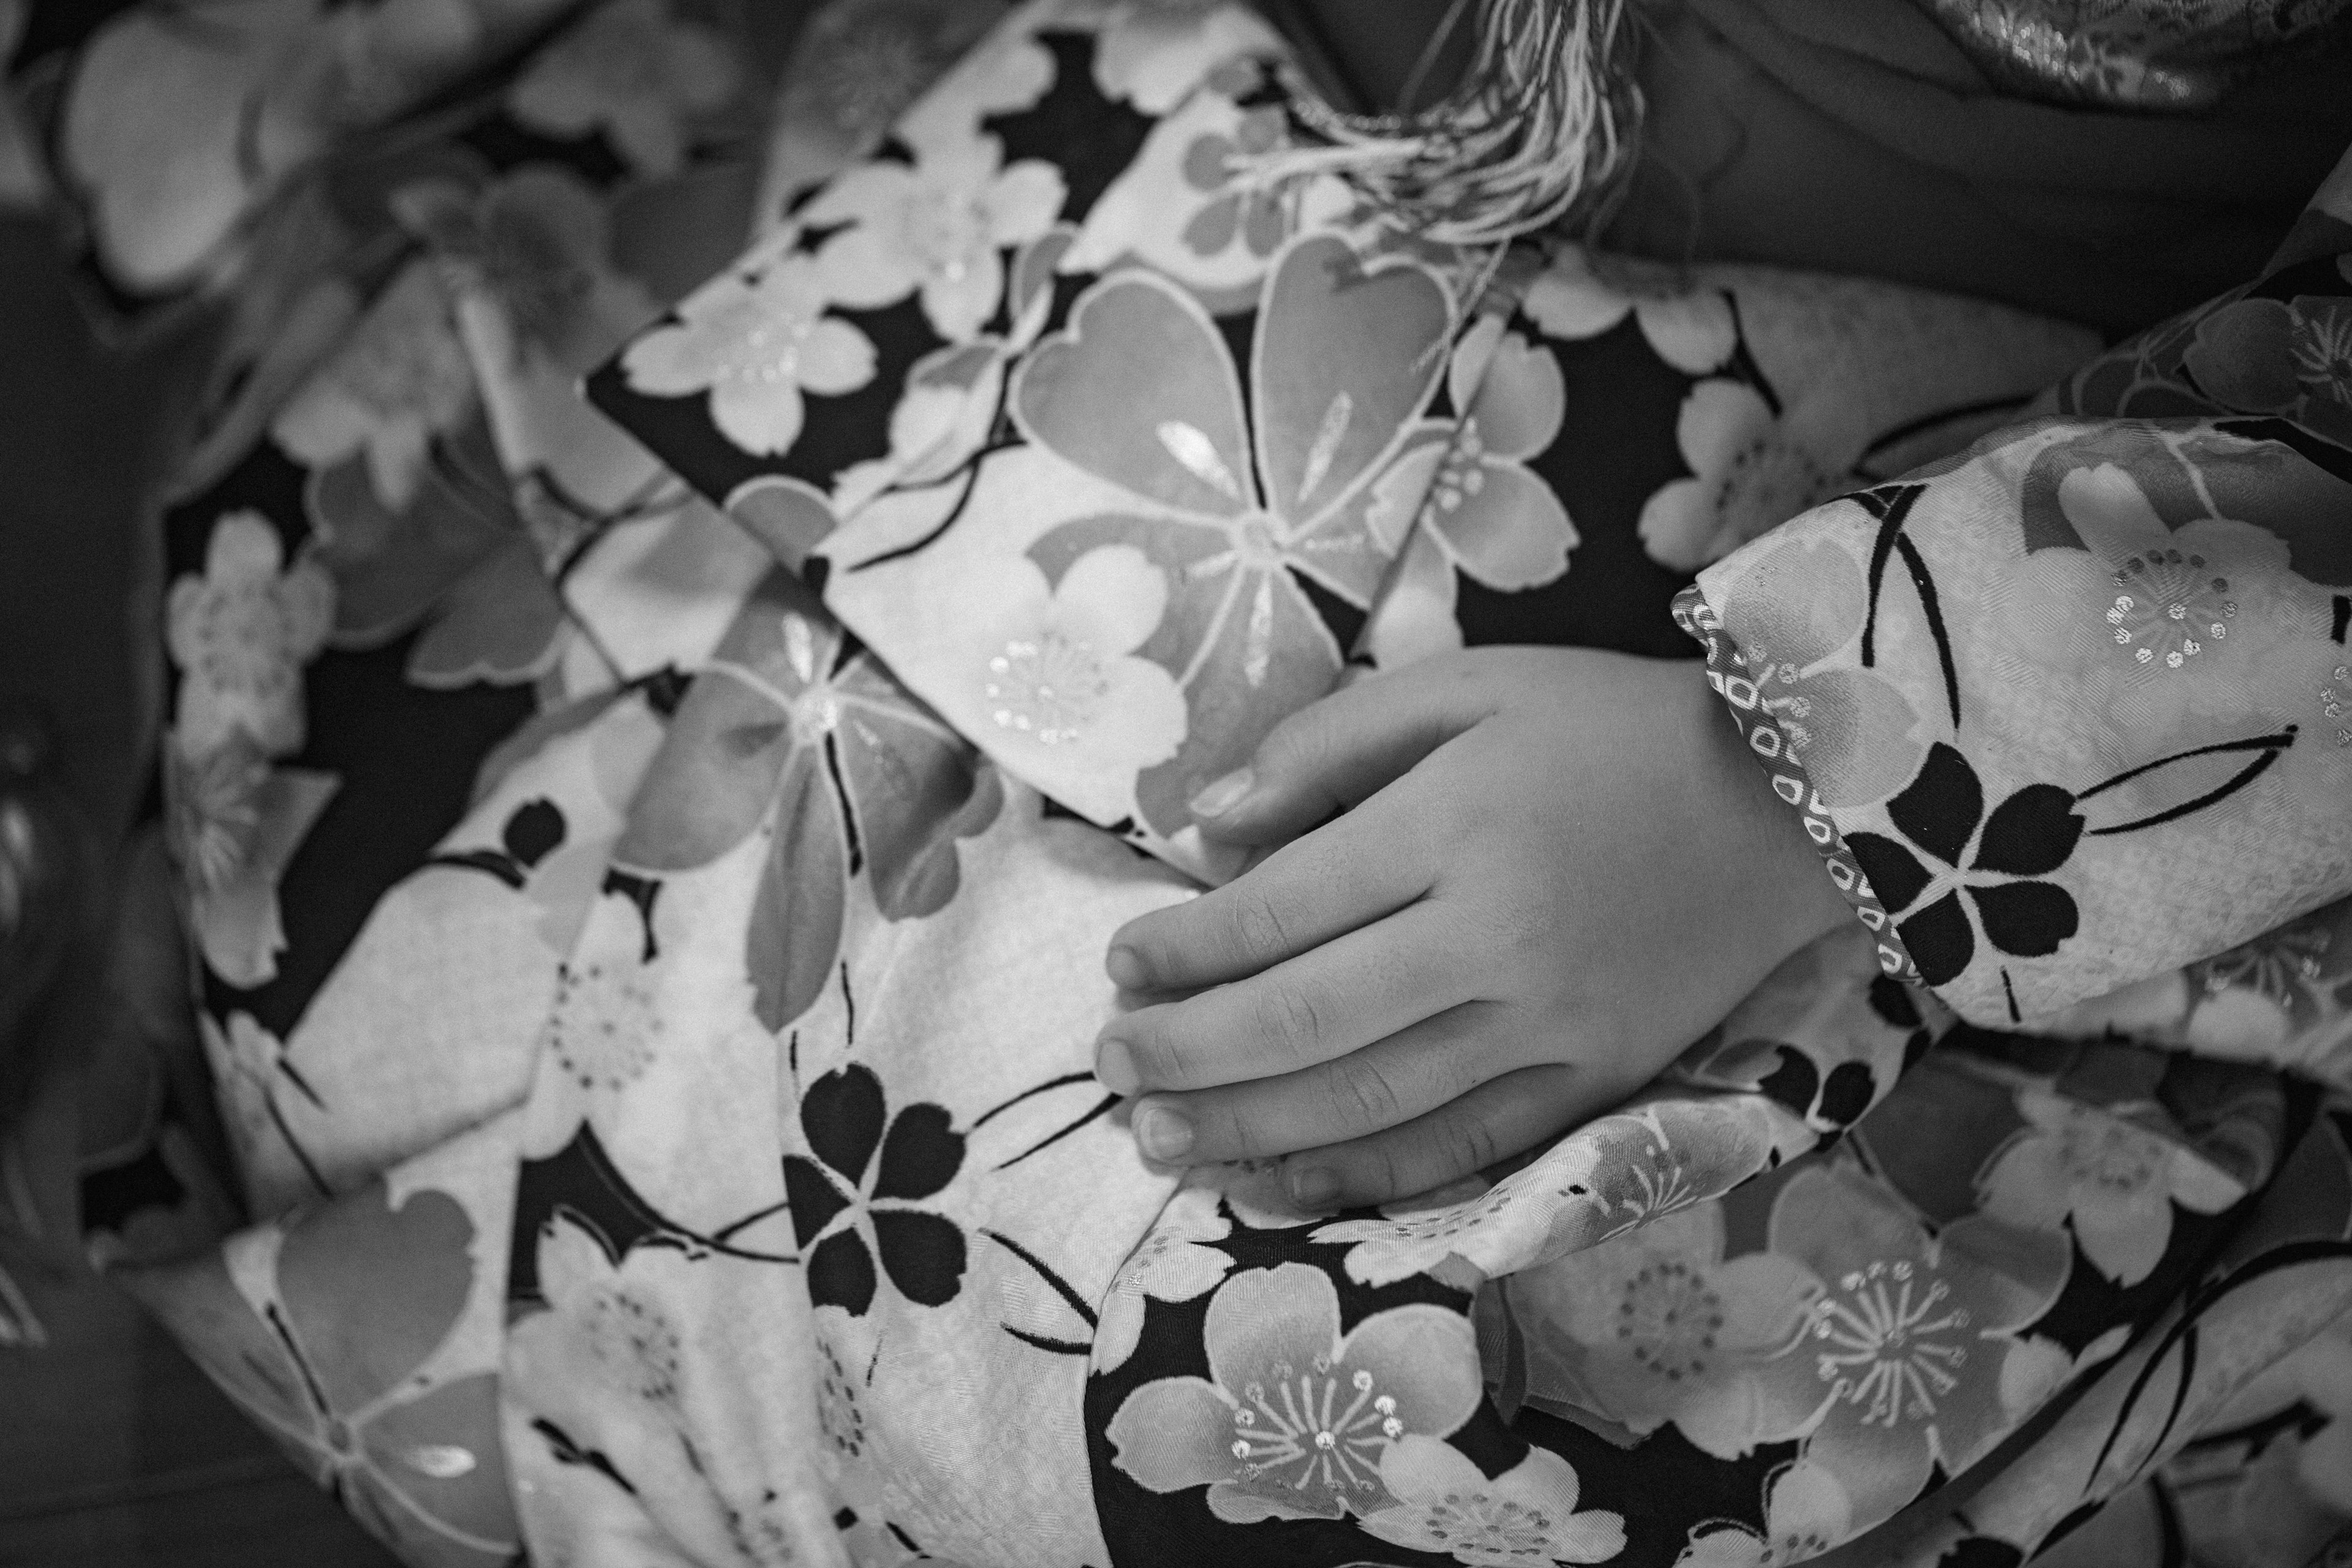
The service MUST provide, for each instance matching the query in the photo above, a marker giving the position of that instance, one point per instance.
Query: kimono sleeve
(2072, 711)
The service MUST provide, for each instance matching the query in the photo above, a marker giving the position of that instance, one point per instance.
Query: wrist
(1775, 866)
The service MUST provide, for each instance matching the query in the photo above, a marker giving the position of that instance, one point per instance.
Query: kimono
(650, 854)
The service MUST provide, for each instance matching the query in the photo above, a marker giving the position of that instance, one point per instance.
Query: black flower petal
(1893, 1002)
(923, 1253)
(841, 1273)
(1939, 809)
(841, 1117)
(534, 832)
(1939, 939)
(2031, 834)
(1846, 1094)
(1794, 1082)
(815, 1198)
(921, 1154)
(2026, 919)
(1895, 873)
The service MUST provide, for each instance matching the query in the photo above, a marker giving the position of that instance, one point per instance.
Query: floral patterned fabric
(652, 1000)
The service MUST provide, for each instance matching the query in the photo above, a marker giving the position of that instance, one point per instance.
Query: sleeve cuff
(1726, 672)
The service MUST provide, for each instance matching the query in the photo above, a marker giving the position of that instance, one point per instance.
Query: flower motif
(1911, 1358)
(1991, 859)
(1062, 676)
(237, 824)
(538, 244)
(1213, 194)
(1790, 608)
(848, 1206)
(788, 724)
(940, 226)
(1170, 1265)
(1750, 472)
(2117, 1183)
(753, 341)
(1154, 52)
(1690, 328)
(1479, 509)
(1526, 1515)
(214, 810)
(1654, 1327)
(2265, 356)
(1293, 1419)
(248, 1063)
(402, 379)
(633, 73)
(1239, 208)
(1140, 391)
(603, 1025)
(339, 1332)
(2175, 624)
(241, 634)
(606, 1329)
(1805, 1514)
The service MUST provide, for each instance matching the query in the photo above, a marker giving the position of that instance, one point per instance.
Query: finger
(1502, 1117)
(1411, 1072)
(1359, 988)
(1341, 751)
(1354, 871)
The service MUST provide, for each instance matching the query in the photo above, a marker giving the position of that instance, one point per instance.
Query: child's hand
(1557, 869)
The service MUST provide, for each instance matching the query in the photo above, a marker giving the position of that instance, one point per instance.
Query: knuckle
(1289, 1018)
(1258, 926)
(1361, 1097)
(1466, 1143)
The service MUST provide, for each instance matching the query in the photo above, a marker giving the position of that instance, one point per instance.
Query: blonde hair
(1540, 131)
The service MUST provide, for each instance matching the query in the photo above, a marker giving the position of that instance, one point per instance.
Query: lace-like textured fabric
(2155, 54)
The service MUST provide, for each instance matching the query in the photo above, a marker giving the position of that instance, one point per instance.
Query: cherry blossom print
(1526, 1515)
(939, 227)
(2173, 619)
(2269, 356)
(1805, 1514)
(1295, 1418)
(793, 725)
(606, 1328)
(754, 344)
(2115, 1185)
(1171, 1263)
(1062, 683)
(242, 823)
(240, 635)
(537, 245)
(1211, 197)
(401, 381)
(1656, 1327)
(635, 73)
(1959, 871)
(335, 1330)
(1579, 295)
(1850, 727)
(1906, 1361)
(1469, 501)
(1153, 53)
(1239, 504)
(855, 1202)
(1752, 470)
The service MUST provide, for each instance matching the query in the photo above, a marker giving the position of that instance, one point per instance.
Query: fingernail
(1313, 1187)
(1125, 967)
(1218, 798)
(1163, 1134)
(1114, 1065)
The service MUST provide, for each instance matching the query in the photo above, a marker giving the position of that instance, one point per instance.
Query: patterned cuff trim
(1726, 671)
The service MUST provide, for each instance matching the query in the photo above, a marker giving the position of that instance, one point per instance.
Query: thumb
(1341, 750)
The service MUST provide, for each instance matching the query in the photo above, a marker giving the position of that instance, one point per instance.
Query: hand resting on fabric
(1552, 870)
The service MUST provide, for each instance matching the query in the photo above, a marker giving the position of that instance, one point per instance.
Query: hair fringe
(1540, 131)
